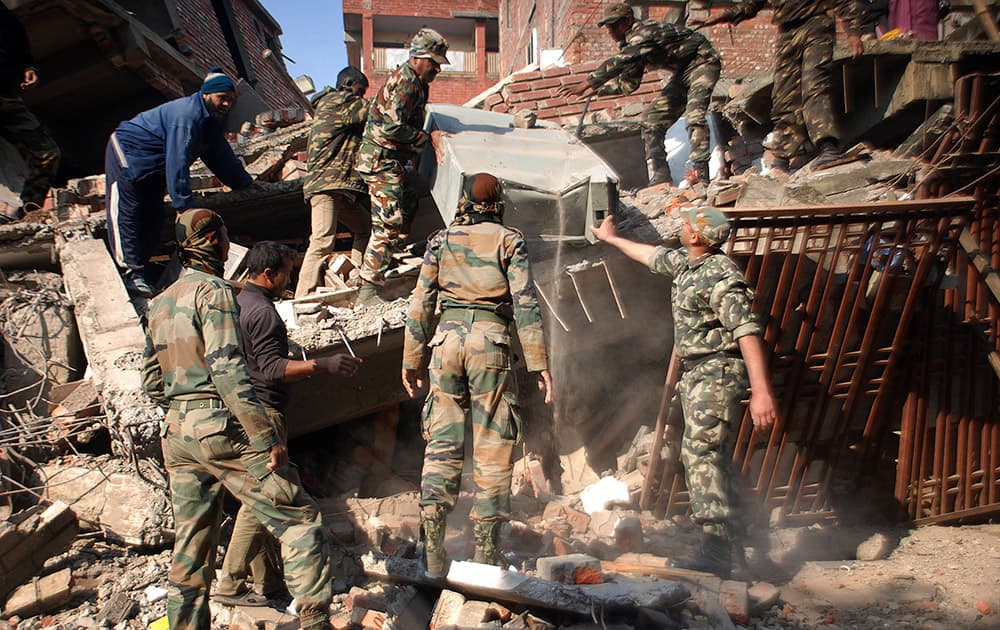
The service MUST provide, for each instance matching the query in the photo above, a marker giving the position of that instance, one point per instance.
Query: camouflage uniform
(332, 187)
(711, 311)
(393, 135)
(217, 435)
(477, 272)
(801, 106)
(695, 66)
(17, 124)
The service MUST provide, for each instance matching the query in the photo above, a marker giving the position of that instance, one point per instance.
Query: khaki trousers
(327, 210)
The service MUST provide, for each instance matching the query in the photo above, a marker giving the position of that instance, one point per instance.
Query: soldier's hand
(436, 137)
(694, 24)
(412, 381)
(545, 385)
(581, 88)
(340, 365)
(605, 230)
(30, 79)
(763, 410)
(855, 45)
(279, 457)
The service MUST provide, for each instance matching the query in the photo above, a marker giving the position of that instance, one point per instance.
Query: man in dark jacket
(154, 151)
(17, 124)
(332, 187)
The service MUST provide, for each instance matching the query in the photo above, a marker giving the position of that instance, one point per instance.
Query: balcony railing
(462, 61)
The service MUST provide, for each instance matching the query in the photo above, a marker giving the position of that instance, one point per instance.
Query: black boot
(829, 155)
(715, 556)
(432, 521)
(487, 542)
(659, 172)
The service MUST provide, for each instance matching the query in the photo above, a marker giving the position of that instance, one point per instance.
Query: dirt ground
(935, 578)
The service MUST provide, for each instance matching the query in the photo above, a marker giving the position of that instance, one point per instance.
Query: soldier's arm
(527, 312)
(152, 375)
(627, 64)
(403, 101)
(219, 314)
(639, 252)
(731, 301)
(739, 12)
(420, 318)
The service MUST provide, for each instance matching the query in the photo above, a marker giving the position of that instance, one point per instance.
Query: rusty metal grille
(949, 452)
(838, 289)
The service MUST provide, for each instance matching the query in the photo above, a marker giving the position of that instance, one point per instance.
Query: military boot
(780, 166)
(659, 172)
(487, 542)
(715, 556)
(368, 294)
(432, 521)
(829, 155)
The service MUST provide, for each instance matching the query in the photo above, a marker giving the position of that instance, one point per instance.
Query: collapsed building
(874, 279)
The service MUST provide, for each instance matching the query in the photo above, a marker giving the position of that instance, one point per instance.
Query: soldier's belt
(690, 364)
(197, 403)
(472, 315)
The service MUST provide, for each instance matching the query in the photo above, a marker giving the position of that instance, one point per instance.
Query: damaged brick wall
(208, 48)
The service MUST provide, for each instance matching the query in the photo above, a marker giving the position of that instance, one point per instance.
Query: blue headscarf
(217, 81)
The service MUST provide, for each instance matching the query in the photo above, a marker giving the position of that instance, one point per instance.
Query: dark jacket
(168, 139)
(265, 345)
(15, 52)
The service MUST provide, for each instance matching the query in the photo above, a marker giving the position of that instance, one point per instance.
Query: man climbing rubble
(332, 186)
(394, 136)
(801, 105)
(154, 151)
(718, 341)
(695, 66)
(218, 435)
(265, 346)
(17, 124)
(478, 270)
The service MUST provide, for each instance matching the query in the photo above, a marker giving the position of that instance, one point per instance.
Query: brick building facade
(567, 31)
(378, 35)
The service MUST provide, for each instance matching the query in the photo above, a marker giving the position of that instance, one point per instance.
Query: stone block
(563, 568)
(579, 521)
(447, 610)
(763, 595)
(29, 538)
(40, 595)
(734, 598)
(876, 547)
(628, 535)
(362, 598)
(603, 523)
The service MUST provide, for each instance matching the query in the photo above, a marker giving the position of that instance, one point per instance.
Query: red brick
(493, 99)
(542, 84)
(734, 598)
(555, 71)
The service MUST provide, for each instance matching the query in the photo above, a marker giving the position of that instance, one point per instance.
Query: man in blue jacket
(155, 150)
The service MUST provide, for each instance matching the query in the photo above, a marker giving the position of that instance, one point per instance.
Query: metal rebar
(579, 296)
(614, 289)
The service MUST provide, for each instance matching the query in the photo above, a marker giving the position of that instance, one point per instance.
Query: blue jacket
(169, 138)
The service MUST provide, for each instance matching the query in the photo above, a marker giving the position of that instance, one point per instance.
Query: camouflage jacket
(711, 301)
(396, 119)
(793, 13)
(650, 44)
(486, 265)
(334, 139)
(193, 351)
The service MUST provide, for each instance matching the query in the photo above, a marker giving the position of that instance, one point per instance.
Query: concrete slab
(113, 341)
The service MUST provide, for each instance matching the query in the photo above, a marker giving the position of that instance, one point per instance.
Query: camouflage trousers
(41, 154)
(205, 450)
(251, 546)
(688, 92)
(710, 394)
(801, 105)
(470, 375)
(393, 206)
(327, 210)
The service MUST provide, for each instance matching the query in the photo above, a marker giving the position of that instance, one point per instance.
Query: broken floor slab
(29, 538)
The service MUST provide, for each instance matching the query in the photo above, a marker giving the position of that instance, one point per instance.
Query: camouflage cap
(194, 223)
(709, 223)
(429, 44)
(615, 12)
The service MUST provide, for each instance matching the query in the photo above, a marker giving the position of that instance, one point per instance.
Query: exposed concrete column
(481, 52)
(367, 44)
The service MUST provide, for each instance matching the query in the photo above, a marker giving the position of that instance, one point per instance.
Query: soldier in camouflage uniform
(801, 106)
(476, 273)
(718, 341)
(17, 124)
(695, 68)
(394, 136)
(217, 435)
(332, 187)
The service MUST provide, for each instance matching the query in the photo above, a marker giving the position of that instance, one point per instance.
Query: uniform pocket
(211, 430)
(425, 418)
(436, 341)
(497, 349)
(274, 485)
(510, 424)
